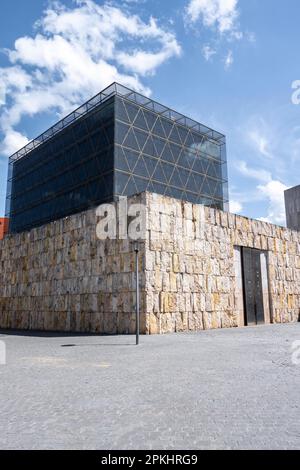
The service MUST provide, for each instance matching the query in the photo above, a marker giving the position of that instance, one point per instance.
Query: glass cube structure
(119, 143)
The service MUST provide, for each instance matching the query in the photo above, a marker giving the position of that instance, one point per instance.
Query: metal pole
(137, 294)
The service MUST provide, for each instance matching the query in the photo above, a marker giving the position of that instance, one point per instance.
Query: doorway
(255, 284)
(252, 286)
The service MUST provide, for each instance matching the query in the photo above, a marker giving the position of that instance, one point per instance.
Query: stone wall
(60, 277)
(292, 207)
(191, 275)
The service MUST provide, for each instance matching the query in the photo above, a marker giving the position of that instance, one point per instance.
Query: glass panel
(205, 187)
(91, 168)
(176, 150)
(184, 176)
(174, 136)
(158, 187)
(199, 180)
(167, 126)
(131, 158)
(141, 138)
(176, 193)
(167, 154)
(84, 149)
(121, 132)
(150, 119)
(190, 197)
(198, 165)
(120, 160)
(149, 147)
(158, 174)
(159, 145)
(130, 141)
(140, 121)
(130, 188)
(182, 134)
(175, 180)
(158, 130)
(150, 164)
(132, 111)
(121, 112)
(121, 180)
(168, 170)
(141, 184)
(140, 168)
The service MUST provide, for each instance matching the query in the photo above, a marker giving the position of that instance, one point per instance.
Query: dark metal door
(258, 291)
(253, 292)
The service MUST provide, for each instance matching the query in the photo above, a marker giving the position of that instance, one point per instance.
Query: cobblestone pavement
(227, 389)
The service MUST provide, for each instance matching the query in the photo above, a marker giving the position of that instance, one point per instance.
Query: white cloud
(260, 142)
(74, 54)
(146, 62)
(221, 19)
(221, 14)
(228, 60)
(274, 192)
(269, 190)
(208, 52)
(235, 207)
(258, 174)
(13, 79)
(12, 141)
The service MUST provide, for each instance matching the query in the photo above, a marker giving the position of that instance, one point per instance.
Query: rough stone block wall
(60, 277)
(191, 280)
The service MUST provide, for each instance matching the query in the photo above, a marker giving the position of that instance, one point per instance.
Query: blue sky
(227, 63)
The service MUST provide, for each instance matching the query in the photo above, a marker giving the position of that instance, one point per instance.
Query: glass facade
(118, 143)
(155, 154)
(68, 173)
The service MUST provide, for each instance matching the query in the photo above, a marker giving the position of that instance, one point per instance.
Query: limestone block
(168, 323)
(195, 322)
(224, 219)
(173, 282)
(181, 322)
(188, 211)
(153, 322)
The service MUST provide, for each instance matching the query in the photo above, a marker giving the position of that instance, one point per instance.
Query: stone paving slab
(218, 389)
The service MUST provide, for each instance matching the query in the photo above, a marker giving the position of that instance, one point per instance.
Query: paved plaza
(221, 389)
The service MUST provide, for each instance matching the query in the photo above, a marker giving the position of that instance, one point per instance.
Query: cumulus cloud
(235, 207)
(75, 53)
(221, 20)
(269, 190)
(274, 192)
(221, 14)
(13, 140)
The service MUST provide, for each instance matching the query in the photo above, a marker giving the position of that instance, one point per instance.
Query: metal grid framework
(118, 143)
(158, 155)
(111, 90)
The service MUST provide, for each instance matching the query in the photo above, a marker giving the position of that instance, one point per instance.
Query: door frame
(270, 304)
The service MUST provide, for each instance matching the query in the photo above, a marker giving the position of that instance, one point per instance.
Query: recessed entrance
(252, 286)
(253, 291)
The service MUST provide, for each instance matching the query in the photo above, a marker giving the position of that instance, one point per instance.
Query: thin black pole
(137, 295)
